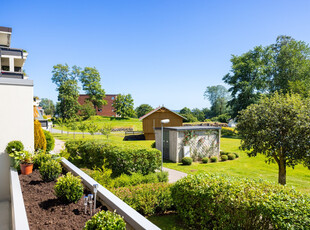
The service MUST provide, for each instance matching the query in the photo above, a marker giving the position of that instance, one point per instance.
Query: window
(99, 110)
(112, 98)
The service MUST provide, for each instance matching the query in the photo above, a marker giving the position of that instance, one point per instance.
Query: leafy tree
(74, 126)
(48, 106)
(185, 110)
(123, 105)
(279, 128)
(90, 79)
(281, 66)
(61, 123)
(92, 129)
(106, 130)
(87, 110)
(198, 114)
(190, 117)
(143, 109)
(83, 127)
(218, 97)
(207, 112)
(68, 90)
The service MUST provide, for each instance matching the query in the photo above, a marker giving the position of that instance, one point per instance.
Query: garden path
(174, 175)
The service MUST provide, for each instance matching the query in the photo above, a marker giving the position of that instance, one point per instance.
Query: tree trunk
(282, 171)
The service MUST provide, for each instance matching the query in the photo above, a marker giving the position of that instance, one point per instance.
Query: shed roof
(184, 128)
(160, 107)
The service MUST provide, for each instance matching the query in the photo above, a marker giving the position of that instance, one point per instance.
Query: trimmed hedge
(50, 141)
(224, 158)
(231, 156)
(213, 159)
(147, 199)
(14, 146)
(105, 220)
(121, 159)
(220, 202)
(187, 160)
(205, 160)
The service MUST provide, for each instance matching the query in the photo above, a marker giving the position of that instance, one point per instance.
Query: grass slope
(115, 123)
(250, 167)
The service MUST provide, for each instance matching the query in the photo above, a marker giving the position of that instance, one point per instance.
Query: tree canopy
(90, 79)
(218, 96)
(123, 105)
(48, 106)
(283, 66)
(143, 109)
(279, 128)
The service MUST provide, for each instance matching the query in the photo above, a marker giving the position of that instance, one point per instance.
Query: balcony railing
(11, 51)
(7, 74)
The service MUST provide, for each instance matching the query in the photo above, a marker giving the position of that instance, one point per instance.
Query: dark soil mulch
(46, 211)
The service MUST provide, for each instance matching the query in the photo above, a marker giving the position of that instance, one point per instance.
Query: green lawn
(250, 167)
(115, 123)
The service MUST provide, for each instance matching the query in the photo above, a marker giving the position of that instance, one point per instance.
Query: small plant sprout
(85, 203)
(95, 195)
(90, 201)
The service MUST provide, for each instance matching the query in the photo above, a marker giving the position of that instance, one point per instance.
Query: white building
(16, 116)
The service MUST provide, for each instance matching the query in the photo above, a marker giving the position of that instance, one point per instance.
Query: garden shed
(152, 120)
(194, 141)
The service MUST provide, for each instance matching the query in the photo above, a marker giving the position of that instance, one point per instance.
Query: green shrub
(239, 203)
(14, 146)
(187, 160)
(224, 158)
(153, 145)
(39, 137)
(41, 157)
(50, 141)
(102, 176)
(121, 159)
(213, 159)
(224, 153)
(205, 160)
(231, 156)
(69, 188)
(237, 155)
(105, 220)
(147, 199)
(162, 176)
(50, 170)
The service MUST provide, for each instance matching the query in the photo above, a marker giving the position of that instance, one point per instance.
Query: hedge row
(119, 158)
(147, 199)
(220, 202)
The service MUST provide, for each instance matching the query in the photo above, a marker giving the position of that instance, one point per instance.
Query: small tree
(106, 130)
(60, 122)
(87, 110)
(279, 128)
(123, 106)
(143, 109)
(82, 127)
(92, 129)
(67, 124)
(74, 127)
(39, 137)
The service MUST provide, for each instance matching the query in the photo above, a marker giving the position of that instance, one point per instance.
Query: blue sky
(160, 51)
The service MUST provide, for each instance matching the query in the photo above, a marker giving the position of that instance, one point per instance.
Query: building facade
(106, 110)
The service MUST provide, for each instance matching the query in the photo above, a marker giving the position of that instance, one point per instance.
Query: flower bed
(45, 210)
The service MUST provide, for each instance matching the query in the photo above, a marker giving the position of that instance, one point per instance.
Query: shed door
(166, 144)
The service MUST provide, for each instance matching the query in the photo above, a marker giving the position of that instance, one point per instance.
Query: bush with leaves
(50, 170)
(224, 158)
(39, 137)
(187, 160)
(205, 160)
(69, 188)
(147, 199)
(50, 141)
(14, 146)
(213, 159)
(105, 220)
(239, 203)
(231, 156)
(41, 157)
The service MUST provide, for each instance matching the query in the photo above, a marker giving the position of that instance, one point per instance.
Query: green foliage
(105, 220)
(190, 117)
(147, 199)
(205, 160)
(213, 159)
(237, 155)
(198, 114)
(143, 109)
(224, 157)
(87, 110)
(48, 106)
(187, 160)
(83, 127)
(14, 146)
(40, 158)
(123, 106)
(120, 158)
(153, 145)
(106, 130)
(231, 156)
(23, 157)
(224, 153)
(68, 90)
(92, 128)
(50, 141)
(236, 203)
(136, 178)
(50, 170)
(281, 66)
(279, 128)
(102, 176)
(221, 118)
(39, 137)
(90, 79)
(218, 97)
(69, 188)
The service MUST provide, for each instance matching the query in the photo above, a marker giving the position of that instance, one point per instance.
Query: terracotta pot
(26, 168)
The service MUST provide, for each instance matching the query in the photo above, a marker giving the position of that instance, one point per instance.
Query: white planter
(186, 151)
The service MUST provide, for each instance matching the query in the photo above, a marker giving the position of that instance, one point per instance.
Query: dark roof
(153, 111)
(6, 29)
(184, 128)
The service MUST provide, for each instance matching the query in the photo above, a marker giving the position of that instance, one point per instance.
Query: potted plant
(24, 159)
